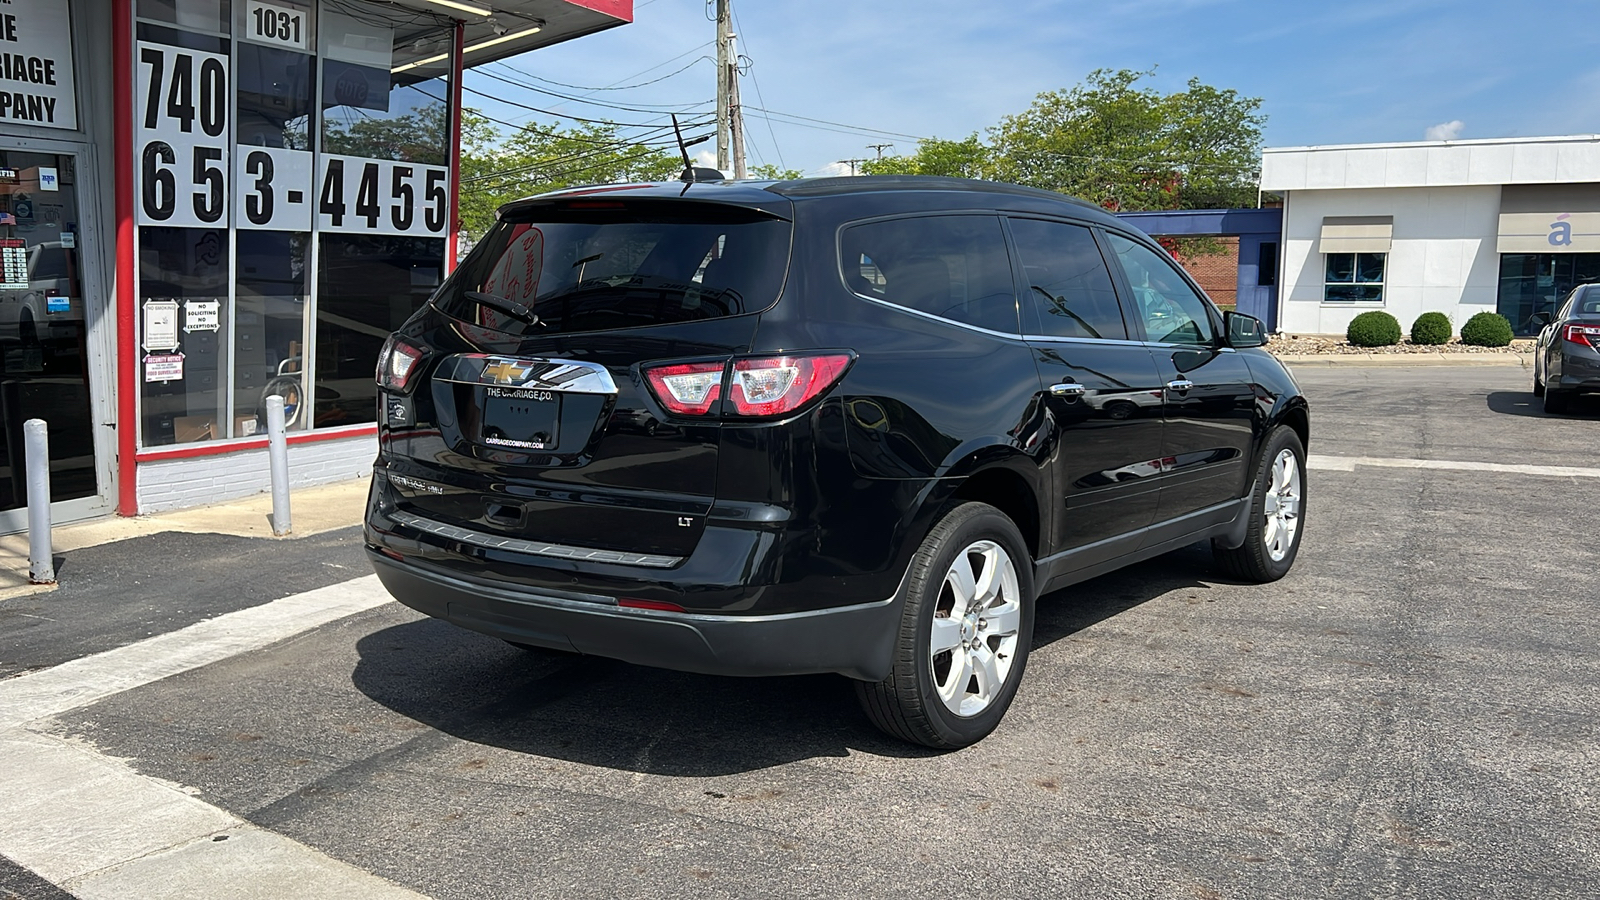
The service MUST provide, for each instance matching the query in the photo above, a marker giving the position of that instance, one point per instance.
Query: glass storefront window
(43, 355)
(209, 16)
(275, 99)
(367, 287)
(273, 287)
(285, 233)
(385, 89)
(183, 300)
(1536, 282)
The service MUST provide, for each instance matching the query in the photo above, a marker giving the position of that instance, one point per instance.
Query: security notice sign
(36, 64)
(181, 112)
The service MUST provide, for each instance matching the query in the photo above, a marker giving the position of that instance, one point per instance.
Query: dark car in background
(848, 425)
(1566, 358)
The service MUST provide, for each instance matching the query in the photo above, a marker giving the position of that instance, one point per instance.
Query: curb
(1406, 359)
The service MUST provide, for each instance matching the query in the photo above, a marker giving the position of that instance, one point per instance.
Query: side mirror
(1245, 331)
(1539, 319)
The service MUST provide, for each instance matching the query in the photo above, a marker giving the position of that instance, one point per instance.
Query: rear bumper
(855, 641)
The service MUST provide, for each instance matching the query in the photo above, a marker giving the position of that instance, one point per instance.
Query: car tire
(1538, 385)
(969, 592)
(1556, 402)
(1277, 513)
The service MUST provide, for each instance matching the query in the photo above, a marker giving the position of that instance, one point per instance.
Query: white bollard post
(278, 454)
(41, 551)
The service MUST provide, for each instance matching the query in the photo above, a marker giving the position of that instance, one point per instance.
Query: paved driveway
(1412, 712)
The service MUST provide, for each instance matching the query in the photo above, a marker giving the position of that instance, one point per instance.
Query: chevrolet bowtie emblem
(506, 371)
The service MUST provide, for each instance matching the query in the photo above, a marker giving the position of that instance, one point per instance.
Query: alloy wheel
(973, 642)
(1282, 507)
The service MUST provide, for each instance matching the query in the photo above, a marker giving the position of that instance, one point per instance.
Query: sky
(891, 71)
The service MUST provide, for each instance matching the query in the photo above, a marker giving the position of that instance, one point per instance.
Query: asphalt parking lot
(1412, 712)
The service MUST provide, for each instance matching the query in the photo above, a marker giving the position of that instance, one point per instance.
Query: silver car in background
(1566, 360)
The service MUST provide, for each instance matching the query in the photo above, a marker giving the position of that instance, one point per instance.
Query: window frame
(229, 39)
(1382, 283)
(1032, 326)
(1005, 243)
(1125, 290)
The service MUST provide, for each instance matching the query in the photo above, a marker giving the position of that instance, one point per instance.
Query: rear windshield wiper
(510, 307)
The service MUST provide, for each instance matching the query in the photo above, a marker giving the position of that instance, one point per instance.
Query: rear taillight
(688, 389)
(760, 386)
(773, 386)
(398, 363)
(1587, 335)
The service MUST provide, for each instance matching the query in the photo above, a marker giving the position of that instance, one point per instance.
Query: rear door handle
(1067, 389)
(1179, 386)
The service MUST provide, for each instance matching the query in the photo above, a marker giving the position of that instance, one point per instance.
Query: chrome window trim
(1153, 345)
(533, 548)
(1099, 342)
(933, 318)
(570, 376)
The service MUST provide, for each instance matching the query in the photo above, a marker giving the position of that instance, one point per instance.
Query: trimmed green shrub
(1431, 328)
(1487, 329)
(1374, 328)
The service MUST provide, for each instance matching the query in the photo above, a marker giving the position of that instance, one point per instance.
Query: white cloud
(706, 159)
(831, 170)
(1445, 131)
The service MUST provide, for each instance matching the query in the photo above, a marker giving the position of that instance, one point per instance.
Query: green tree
(967, 158)
(422, 136)
(497, 169)
(770, 172)
(1129, 147)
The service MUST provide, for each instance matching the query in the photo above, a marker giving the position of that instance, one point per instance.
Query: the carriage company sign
(36, 86)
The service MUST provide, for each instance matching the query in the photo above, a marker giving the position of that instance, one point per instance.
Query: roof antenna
(691, 172)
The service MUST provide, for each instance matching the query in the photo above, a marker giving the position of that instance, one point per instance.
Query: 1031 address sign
(277, 24)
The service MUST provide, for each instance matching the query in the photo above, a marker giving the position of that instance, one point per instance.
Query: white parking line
(97, 828)
(84, 681)
(1349, 463)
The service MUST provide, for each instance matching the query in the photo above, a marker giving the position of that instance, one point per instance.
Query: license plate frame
(527, 419)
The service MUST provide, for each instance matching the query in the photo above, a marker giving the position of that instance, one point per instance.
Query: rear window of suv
(606, 265)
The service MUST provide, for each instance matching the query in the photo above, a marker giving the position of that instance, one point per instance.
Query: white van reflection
(51, 309)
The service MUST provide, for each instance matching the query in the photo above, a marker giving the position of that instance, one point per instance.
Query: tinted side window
(1068, 288)
(953, 267)
(1171, 310)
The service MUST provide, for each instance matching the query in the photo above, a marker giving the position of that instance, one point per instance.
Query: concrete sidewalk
(313, 510)
(1524, 360)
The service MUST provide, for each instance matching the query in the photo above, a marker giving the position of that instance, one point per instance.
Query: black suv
(850, 425)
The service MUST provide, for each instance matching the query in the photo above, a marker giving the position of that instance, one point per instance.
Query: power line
(848, 129)
(752, 69)
(623, 87)
(525, 126)
(578, 171)
(663, 64)
(558, 115)
(536, 89)
(653, 145)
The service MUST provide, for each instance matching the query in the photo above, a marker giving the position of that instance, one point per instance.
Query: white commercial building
(1506, 225)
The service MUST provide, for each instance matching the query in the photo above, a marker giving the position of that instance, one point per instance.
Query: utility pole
(730, 118)
(852, 163)
(880, 148)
